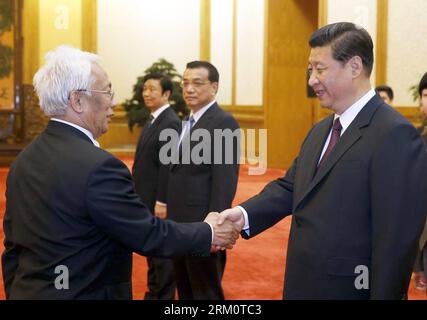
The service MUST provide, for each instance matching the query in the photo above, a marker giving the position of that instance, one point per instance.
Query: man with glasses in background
(72, 216)
(196, 188)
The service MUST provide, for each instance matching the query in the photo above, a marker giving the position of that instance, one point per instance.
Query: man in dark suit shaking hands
(151, 175)
(357, 188)
(72, 216)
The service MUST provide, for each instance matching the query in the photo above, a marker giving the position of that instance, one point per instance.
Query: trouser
(199, 278)
(160, 279)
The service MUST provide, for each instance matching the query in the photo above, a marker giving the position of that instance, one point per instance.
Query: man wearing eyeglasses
(72, 216)
(196, 188)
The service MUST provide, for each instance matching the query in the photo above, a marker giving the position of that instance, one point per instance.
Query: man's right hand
(234, 215)
(225, 234)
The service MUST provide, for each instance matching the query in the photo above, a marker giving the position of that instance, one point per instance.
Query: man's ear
(356, 66)
(75, 102)
(214, 88)
(167, 94)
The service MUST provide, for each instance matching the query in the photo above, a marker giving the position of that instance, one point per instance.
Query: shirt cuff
(245, 215)
(162, 204)
(213, 234)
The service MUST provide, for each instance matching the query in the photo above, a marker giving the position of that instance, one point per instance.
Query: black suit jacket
(365, 206)
(69, 203)
(149, 174)
(196, 189)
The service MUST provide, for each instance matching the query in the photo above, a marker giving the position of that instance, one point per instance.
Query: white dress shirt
(158, 112)
(348, 116)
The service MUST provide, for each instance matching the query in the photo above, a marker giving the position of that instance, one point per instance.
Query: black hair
(213, 74)
(165, 81)
(347, 40)
(423, 84)
(388, 90)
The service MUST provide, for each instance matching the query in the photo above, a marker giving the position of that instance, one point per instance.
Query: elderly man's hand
(225, 234)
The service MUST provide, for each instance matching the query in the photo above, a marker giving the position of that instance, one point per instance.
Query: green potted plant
(136, 110)
(6, 52)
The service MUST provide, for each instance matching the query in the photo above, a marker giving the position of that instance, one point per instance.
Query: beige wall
(249, 52)
(60, 22)
(222, 46)
(407, 47)
(361, 12)
(133, 34)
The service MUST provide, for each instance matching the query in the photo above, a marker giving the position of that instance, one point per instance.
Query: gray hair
(66, 69)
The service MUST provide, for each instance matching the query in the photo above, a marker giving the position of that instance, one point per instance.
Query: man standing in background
(386, 93)
(151, 176)
(195, 189)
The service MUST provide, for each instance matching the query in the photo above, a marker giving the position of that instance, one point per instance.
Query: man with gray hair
(72, 216)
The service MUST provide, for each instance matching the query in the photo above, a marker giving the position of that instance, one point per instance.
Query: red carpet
(255, 268)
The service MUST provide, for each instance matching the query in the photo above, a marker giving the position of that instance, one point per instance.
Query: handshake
(226, 226)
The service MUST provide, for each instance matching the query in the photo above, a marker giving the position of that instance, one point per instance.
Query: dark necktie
(149, 122)
(335, 136)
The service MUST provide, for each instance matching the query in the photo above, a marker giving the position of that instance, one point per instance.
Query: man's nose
(312, 80)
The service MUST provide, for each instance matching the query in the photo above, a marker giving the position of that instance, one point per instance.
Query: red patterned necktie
(335, 136)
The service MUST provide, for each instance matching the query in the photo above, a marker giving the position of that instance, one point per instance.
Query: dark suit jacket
(149, 174)
(196, 189)
(365, 206)
(70, 203)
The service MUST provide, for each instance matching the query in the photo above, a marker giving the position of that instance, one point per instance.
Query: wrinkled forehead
(100, 77)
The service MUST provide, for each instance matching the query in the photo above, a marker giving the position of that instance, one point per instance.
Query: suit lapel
(146, 134)
(347, 140)
(311, 157)
(205, 120)
(149, 132)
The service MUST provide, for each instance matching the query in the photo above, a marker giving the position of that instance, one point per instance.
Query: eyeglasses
(109, 92)
(195, 84)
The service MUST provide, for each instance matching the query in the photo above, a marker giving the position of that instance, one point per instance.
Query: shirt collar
(85, 131)
(350, 114)
(157, 113)
(197, 115)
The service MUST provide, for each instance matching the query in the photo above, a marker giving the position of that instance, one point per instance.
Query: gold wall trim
(409, 112)
(265, 61)
(412, 114)
(323, 13)
(205, 30)
(245, 119)
(253, 109)
(30, 34)
(247, 114)
(234, 55)
(89, 26)
(382, 42)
